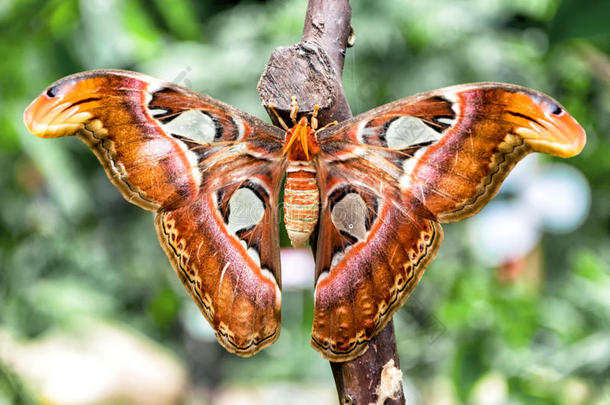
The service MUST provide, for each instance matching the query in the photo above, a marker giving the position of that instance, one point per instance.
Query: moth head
(301, 143)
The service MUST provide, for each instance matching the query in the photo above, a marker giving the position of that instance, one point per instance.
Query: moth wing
(452, 147)
(211, 173)
(388, 177)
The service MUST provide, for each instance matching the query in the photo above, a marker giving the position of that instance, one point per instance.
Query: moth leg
(314, 117)
(314, 120)
(294, 109)
(330, 124)
(279, 119)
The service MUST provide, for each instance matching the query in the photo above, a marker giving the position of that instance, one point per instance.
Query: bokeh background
(515, 309)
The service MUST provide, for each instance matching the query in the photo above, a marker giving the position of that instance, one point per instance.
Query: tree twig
(311, 70)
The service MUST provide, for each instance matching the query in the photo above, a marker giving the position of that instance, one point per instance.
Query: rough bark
(311, 70)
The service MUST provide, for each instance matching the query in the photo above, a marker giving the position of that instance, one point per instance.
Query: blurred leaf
(180, 17)
(63, 177)
(588, 265)
(64, 18)
(468, 364)
(581, 20)
(68, 299)
(141, 29)
(12, 390)
(164, 307)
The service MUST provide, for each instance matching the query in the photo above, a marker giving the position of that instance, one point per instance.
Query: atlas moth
(376, 187)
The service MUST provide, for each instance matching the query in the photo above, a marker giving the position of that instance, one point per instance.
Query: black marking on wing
(259, 190)
(52, 91)
(201, 151)
(222, 204)
(527, 117)
(436, 124)
(169, 113)
(85, 100)
(218, 129)
(556, 109)
(369, 219)
(351, 239)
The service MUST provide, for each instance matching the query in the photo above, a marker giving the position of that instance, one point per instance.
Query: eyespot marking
(408, 131)
(350, 215)
(52, 91)
(555, 108)
(192, 124)
(246, 210)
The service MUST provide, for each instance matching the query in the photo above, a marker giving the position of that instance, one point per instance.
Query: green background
(73, 253)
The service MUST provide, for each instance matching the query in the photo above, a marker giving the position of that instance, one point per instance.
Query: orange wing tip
(565, 138)
(547, 127)
(51, 118)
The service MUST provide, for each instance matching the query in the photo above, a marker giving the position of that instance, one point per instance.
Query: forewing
(212, 174)
(387, 177)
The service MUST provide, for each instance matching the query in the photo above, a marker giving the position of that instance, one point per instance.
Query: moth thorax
(301, 202)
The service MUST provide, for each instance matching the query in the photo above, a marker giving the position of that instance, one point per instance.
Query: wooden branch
(308, 70)
(311, 70)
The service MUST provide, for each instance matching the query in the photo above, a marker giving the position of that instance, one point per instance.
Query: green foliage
(575, 20)
(71, 247)
(12, 391)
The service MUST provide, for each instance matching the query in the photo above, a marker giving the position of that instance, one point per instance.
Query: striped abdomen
(301, 202)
